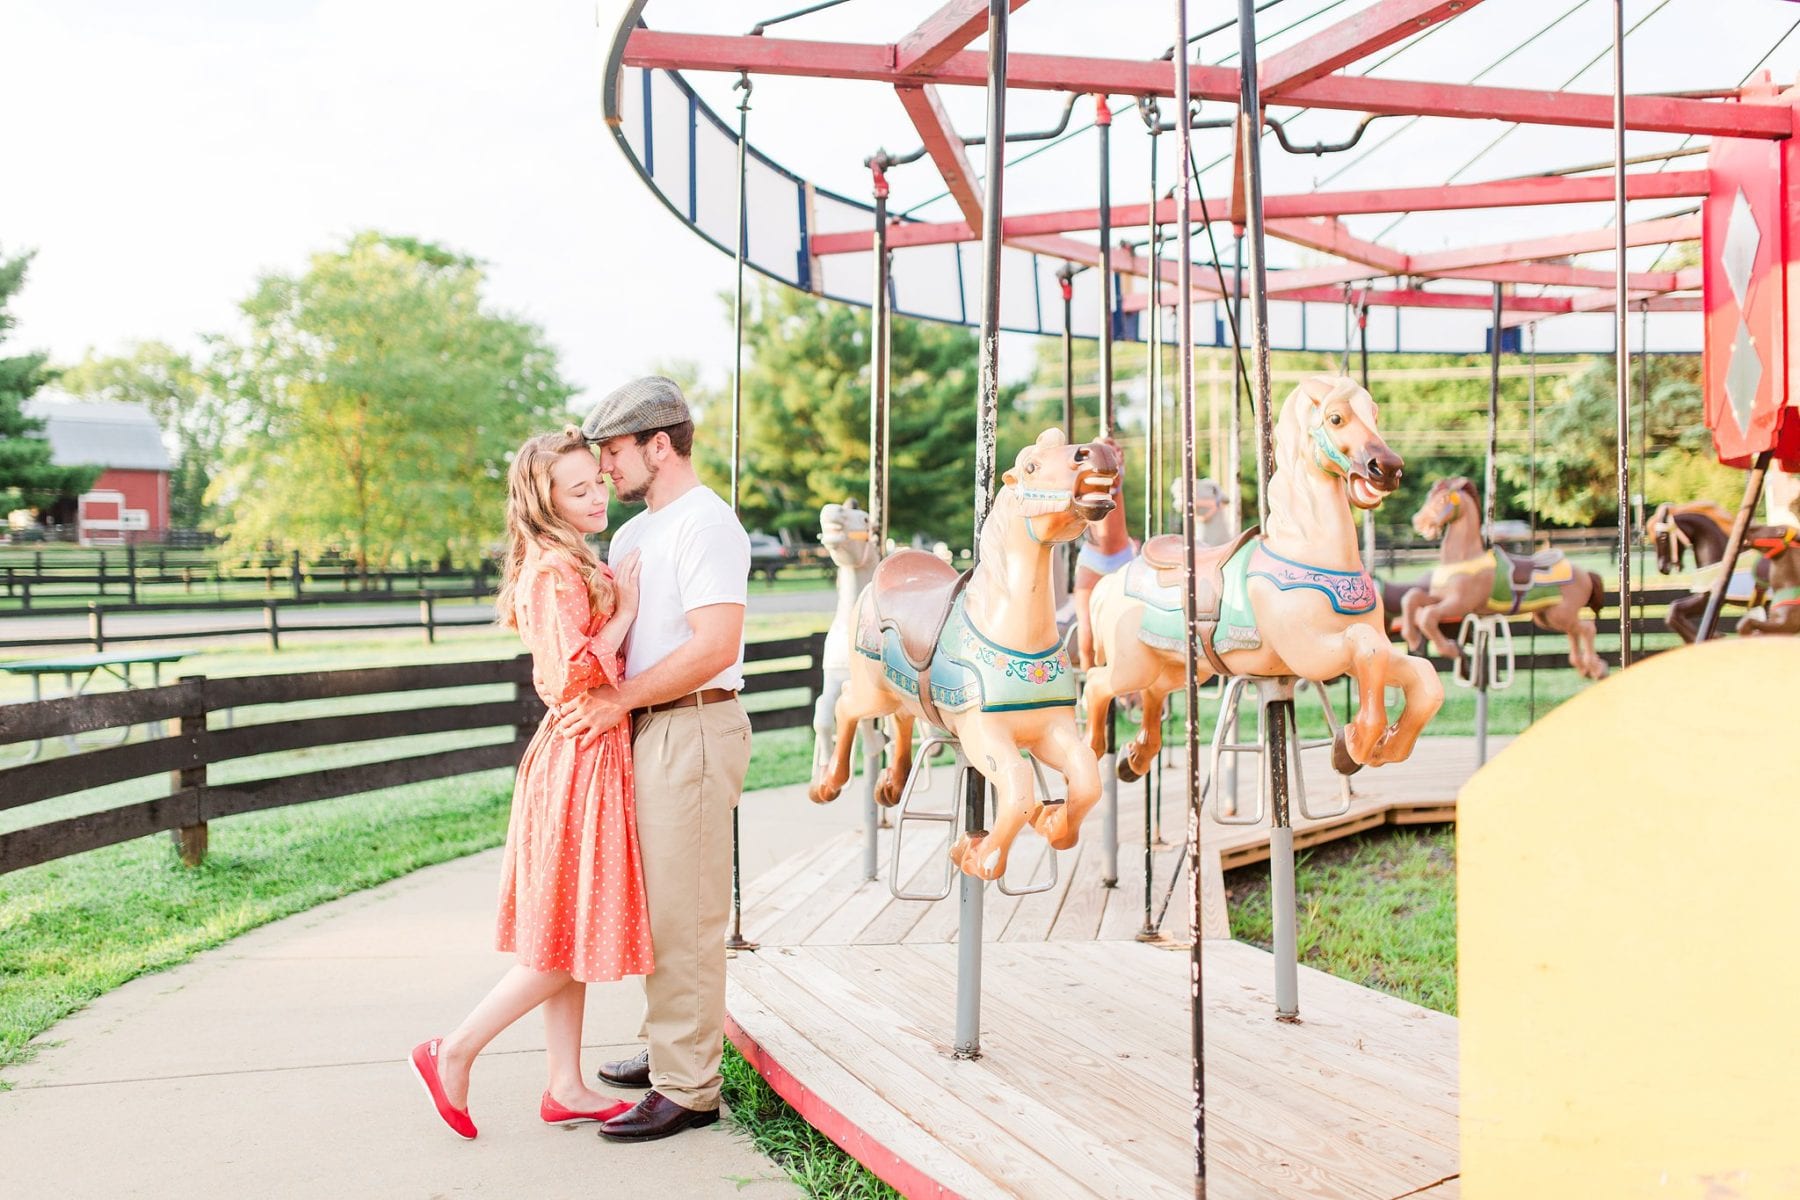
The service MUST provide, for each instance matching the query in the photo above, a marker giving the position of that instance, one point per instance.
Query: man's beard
(643, 489)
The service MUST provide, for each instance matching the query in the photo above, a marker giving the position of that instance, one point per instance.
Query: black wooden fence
(191, 743)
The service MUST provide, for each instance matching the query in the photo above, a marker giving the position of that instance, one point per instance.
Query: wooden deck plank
(843, 880)
(853, 913)
(1253, 1117)
(959, 1100)
(1079, 917)
(1365, 1085)
(1032, 919)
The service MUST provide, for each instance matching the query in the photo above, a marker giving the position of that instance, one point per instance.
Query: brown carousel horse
(1293, 602)
(1780, 601)
(1703, 528)
(979, 654)
(1468, 579)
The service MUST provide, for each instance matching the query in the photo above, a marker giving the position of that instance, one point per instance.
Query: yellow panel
(1627, 924)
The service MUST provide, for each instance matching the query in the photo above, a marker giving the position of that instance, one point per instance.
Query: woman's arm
(618, 626)
(566, 661)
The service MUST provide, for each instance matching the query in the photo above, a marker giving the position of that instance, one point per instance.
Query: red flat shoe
(425, 1066)
(555, 1114)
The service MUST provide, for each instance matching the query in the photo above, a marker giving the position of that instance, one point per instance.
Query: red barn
(130, 500)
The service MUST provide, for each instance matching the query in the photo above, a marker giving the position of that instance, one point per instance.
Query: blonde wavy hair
(532, 520)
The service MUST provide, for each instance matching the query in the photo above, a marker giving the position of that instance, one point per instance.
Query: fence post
(25, 595)
(815, 669)
(103, 572)
(273, 623)
(427, 619)
(296, 571)
(9, 581)
(190, 840)
(187, 580)
(131, 596)
(96, 627)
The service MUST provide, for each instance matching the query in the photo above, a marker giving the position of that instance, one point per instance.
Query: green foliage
(806, 418)
(1577, 446)
(811, 1159)
(27, 476)
(183, 399)
(373, 404)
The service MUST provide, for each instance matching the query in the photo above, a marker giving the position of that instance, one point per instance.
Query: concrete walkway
(274, 1065)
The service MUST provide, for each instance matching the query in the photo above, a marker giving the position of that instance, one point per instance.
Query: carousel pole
(1362, 335)
(737, 940)
(1152, 413)
(1734, 546)
(879, 319)
(1184, 330)
(968, 937)
(1109, 775)
(1279, 714)
(1065, 276)
(1641, 502)
(1621, 372)
(1478, 646)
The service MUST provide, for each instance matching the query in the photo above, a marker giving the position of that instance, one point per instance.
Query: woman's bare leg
(563, 1015)
(519, 991)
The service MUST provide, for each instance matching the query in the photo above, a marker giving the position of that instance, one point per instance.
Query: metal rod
(736, 940)
(1620, 363)
(968, 950)
(1152, 492)
(1362, 333)
(1531, 404)
(1641, 505)
(1734, 546)
(1235, 457)
(1066, 277)
(1479, 672)
(1278, 722)
(1184, 330)
(1490, 472)
(1103, 121)
(879, 368)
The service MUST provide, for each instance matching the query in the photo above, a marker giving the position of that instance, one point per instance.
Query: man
(684, 664)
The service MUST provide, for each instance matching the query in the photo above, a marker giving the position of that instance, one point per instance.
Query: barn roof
(100, 433)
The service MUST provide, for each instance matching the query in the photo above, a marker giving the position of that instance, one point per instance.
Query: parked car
(768, 555)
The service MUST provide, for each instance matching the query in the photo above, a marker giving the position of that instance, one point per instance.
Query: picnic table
(80, 671)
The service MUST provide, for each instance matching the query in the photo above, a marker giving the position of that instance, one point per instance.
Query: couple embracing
(618, 854)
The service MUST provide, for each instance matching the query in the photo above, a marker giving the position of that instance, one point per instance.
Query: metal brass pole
(1184, 331)
(1734, 546)
(968, 938)
(1620, 365)
(736, 940)
(879, 372)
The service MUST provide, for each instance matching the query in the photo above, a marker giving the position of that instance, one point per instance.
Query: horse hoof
(887, 793)
(818, 793)
(1128, 773)
(1341, 762)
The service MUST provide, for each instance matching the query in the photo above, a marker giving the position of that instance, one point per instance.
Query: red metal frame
(1352, 39)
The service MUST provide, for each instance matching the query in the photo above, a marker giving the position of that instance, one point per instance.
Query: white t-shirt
(694, 553)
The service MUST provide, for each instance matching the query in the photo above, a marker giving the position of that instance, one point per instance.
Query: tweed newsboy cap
(648, 403)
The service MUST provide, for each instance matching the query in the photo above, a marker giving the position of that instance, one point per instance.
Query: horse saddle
(911, 595)
(1220, 599)
(1527, 581)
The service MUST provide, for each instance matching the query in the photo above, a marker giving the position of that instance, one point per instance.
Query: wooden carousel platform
(1083, 1086)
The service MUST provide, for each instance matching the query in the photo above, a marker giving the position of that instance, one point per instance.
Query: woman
(572, 886)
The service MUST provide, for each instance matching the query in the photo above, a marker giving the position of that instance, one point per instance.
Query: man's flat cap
(648, 403)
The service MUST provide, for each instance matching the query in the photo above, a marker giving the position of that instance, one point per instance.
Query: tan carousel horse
(979, 655)
(1294, 601)
(1547, 586)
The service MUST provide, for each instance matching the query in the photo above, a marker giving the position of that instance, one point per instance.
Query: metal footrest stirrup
(1486, 642)
(920, 775)
(1269, 690)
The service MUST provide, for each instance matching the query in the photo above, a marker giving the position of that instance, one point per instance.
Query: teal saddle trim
(1163, 626)
(970, 670)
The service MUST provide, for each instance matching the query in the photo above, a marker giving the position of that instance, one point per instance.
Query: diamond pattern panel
(1742, 237)
(1743, 375)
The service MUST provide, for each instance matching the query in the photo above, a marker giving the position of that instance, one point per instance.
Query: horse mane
(1292, 508)
(993, 538)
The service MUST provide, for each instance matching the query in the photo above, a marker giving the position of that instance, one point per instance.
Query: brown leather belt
(704, 696)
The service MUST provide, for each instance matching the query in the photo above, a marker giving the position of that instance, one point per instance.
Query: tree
(27, 475)
(806, 418)
(1577, 466)
(184, 402)
(373, 404)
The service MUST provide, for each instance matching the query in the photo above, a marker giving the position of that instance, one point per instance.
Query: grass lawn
(1378, 910)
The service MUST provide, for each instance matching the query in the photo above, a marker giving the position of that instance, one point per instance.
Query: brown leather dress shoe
(656, 1116)
(627, 1072)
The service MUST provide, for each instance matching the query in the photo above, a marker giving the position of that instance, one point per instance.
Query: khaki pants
(690, 765)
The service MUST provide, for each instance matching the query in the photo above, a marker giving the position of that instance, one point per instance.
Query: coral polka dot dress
(572, 882)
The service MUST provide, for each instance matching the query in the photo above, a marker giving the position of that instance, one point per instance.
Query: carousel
(1014, 980)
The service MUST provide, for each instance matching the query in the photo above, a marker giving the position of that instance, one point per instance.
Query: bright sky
(161, 155)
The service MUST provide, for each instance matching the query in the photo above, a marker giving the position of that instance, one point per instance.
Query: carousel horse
(1106, 547)
(844, 531)
(1294, 601)
(1703, 528)
(979, 655)
(1780, 604)
(1546, 586)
